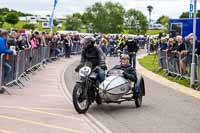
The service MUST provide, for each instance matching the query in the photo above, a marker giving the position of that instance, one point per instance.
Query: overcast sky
(172, 8)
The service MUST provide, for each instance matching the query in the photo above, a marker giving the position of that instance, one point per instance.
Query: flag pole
(52, 15)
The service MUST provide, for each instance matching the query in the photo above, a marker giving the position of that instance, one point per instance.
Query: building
(33, 19)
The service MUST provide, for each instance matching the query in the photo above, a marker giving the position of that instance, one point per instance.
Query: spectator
(12, 41)
(5, 50)
(172, 46)
(190, 38)
(38, 39)
(43, 39)
(132, 49)
(23, 42)
(104, 46)
(198, 48)
(33, 41)
(182, 49)
(67, 44)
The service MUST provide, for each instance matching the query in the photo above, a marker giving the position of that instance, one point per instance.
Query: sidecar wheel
(80, 102)
(141, 93)
(138, 101)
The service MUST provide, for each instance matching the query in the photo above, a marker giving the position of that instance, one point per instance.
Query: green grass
(150, 62)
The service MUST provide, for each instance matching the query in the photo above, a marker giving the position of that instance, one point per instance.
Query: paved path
(164, 109)
(41, 107)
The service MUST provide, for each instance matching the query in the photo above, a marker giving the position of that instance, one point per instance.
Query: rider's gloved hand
(77, 69)
(104, 67)
(125, 75)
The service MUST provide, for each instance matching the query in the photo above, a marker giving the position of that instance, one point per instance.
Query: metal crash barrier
(198, 71)
(13, 68)
(171, 62)
(162, 60)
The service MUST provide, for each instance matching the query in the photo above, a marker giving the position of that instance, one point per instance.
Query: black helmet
(88, 40)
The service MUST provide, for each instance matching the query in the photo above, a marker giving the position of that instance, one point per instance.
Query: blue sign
(191, 9)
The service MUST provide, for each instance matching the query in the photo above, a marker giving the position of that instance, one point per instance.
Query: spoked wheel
(80, 100)
(138, 97)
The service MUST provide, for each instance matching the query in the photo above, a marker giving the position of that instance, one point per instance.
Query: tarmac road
(164, 110)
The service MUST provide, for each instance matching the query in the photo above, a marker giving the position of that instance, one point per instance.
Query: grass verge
(150, 62)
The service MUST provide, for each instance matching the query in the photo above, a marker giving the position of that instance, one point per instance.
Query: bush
(29, 26)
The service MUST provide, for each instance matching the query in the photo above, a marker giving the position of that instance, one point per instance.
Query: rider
(129, 72)
(94, 55)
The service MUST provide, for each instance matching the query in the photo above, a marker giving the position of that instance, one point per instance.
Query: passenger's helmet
(88, 41)
(125, 56)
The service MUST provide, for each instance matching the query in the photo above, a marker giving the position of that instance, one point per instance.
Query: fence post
(1, 70)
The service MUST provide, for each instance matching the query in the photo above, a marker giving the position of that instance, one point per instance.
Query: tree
(163, 20)
(186, 14)
(1, 21)
(72, 23)
(136, 22)
(4, 11)
(107, 18)
(12, 18)
(29, 26)
(55, 23)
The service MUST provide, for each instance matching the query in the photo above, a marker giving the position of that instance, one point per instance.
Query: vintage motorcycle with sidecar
(114, 89)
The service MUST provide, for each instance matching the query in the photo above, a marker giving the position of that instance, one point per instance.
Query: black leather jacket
(132, 46)
(129, 72)
(93, 55)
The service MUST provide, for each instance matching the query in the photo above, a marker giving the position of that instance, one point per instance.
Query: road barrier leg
(17, 84)
(5, 89)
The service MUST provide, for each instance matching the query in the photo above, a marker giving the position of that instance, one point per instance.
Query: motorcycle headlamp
(85, 71)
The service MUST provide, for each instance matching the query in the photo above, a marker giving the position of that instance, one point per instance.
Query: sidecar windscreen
(115, 72)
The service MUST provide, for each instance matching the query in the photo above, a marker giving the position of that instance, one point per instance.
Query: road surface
(164, 110)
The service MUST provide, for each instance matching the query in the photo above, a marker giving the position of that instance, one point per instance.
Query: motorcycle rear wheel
(78, 99)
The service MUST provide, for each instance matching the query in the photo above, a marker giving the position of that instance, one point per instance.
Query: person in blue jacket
(5, 50)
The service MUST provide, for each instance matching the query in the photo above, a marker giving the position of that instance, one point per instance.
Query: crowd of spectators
(70, 43)
(13, 42)
(182, 49)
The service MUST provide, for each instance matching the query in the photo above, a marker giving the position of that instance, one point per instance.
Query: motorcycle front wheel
(80, 99)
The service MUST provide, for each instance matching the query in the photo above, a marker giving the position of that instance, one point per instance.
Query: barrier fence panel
(43, 53)
(1, 70)
(39, 55)
(34, 58)
(188, 60)
(198, 68)
(10, 62)
(28, 56)
(21, 63)
(173, 63)
(162, 60)
(13, 67)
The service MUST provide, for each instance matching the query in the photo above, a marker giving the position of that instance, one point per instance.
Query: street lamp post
(192, 77)
(150, 9)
